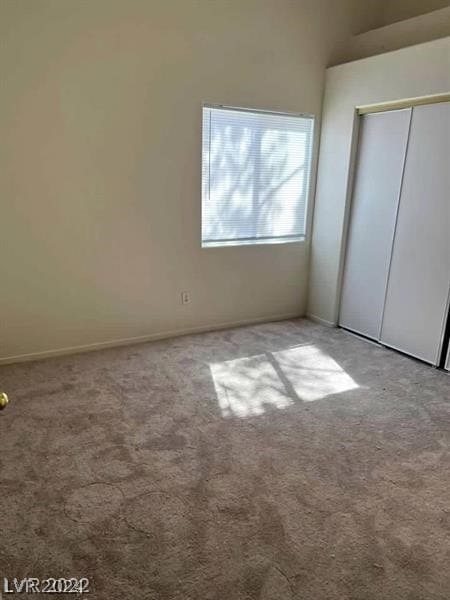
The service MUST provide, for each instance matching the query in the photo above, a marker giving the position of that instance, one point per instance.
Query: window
(256, 171)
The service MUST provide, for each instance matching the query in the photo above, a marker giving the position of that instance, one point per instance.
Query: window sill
(234, 243)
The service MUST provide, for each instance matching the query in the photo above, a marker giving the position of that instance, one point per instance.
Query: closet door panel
(420, 266)
(379, 167)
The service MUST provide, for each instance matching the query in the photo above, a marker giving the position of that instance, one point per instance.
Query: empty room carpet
(282, 461)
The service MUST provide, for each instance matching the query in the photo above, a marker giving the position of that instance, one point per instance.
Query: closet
(396, 278)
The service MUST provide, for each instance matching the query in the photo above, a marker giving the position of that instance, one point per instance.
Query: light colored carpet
(274, 462)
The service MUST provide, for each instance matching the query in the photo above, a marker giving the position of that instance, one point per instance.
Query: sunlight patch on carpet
(248, 386)
(253, 385)
(312, 373)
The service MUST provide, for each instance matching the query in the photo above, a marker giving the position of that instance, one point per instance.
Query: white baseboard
(144, 338)
(319, 320)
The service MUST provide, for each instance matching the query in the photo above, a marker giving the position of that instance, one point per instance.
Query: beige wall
(416, 30)
(398, 10)
(373, 14)
(100, 115)
(411, 72)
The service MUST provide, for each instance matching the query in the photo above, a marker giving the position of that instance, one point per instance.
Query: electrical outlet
(185, 298)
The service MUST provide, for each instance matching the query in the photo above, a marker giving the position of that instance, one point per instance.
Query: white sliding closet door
(418, 282)
(381, 154)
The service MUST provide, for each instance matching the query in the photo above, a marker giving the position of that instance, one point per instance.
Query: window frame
(310, 183)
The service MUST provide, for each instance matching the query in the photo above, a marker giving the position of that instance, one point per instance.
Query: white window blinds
(256, 171)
